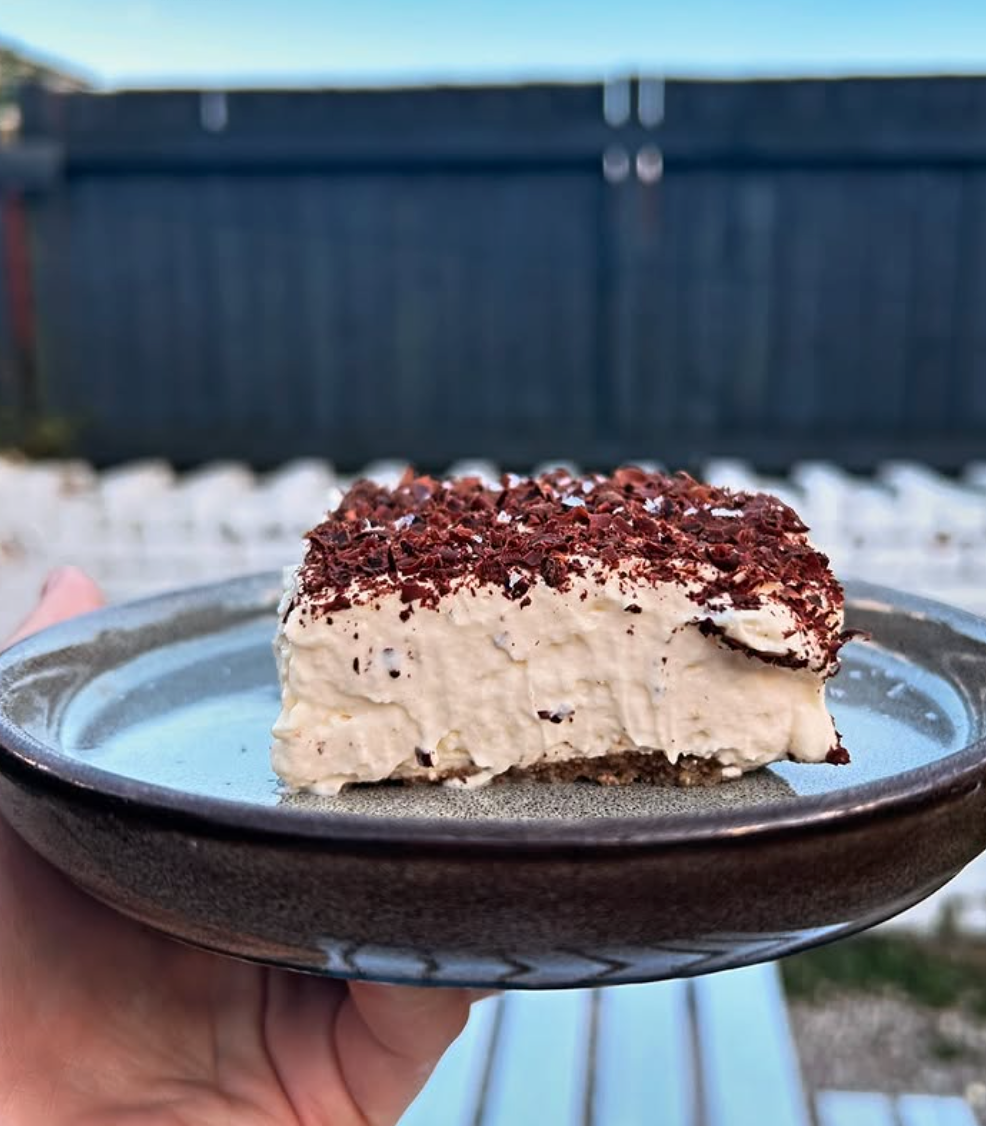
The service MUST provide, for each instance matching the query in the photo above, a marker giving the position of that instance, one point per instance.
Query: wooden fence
(776, 270)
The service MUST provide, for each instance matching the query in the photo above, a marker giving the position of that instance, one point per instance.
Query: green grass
(937, 973)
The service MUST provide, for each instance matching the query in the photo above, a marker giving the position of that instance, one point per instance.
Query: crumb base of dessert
(623, 767)
(618, 768)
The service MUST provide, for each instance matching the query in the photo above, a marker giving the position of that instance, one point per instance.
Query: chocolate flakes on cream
(425, 535)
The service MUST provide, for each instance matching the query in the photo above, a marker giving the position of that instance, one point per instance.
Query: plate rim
(25, 759)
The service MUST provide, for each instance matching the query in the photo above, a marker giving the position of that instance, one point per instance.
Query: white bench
(714, 1051)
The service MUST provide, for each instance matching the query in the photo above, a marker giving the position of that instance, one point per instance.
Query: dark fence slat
(10, 390)
(935, 238)
(969, 352)
(437, 274)
(178, 114)
(30, 166)
(835, 120)
(753, 228)
(649, 384)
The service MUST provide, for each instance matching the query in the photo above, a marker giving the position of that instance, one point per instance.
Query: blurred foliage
(37, 436)
(947, 1050)
(937, 972)
(17, 68)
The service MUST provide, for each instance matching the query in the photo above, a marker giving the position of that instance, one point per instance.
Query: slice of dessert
(633, 627)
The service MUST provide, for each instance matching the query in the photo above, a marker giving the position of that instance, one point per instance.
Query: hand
(104, 1022)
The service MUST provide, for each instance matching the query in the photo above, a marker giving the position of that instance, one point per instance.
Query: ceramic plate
(135, 758)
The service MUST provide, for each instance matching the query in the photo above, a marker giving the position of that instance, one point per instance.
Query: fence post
(27, 166)
(628, 234)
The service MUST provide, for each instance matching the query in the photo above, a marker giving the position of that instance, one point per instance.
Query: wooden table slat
(749, 1065)
(541, 1066)
(645, 1070)
(854, 1108)
(934, 1110)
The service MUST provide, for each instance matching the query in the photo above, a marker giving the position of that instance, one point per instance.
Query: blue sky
(229, 42)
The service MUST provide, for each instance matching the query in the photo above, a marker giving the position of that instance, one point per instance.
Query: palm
(104, 1021)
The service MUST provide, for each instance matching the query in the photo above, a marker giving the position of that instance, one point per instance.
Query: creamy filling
(480, 685)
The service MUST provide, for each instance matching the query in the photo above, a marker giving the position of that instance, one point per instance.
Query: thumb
(389, 1038)
(66, 592)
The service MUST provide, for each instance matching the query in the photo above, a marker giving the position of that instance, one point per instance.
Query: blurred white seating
(387, 472)
(142, 526)
(936, 506)
(556, 466)
(485, 470)
(127, 492)
(975, 475)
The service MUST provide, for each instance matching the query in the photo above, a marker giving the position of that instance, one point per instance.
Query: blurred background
(247, 255)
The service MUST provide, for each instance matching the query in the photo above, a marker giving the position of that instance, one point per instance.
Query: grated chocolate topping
(425, 537)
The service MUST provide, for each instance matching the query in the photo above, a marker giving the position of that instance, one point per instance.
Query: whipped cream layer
(455, 630)
(477, 683)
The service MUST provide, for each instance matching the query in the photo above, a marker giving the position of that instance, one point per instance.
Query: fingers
(389, 1039)
(67, 592)
(411, 1022)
